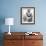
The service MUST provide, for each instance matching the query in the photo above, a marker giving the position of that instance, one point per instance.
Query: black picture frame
(27, 15)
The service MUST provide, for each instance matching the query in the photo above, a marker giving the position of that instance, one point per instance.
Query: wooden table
(20, 39)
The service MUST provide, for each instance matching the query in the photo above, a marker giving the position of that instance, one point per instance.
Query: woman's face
(29, 10)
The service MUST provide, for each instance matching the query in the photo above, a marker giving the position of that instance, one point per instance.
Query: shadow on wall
(2, 21)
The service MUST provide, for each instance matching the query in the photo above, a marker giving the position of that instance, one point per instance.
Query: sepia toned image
(27, 15)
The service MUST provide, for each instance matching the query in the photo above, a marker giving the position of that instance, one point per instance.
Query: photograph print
(27, 15)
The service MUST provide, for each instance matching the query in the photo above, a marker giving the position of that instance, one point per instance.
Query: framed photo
(27, 15)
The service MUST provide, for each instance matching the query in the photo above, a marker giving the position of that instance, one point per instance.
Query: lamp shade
(9, 21)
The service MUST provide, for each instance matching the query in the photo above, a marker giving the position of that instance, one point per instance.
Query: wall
(11, 8)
